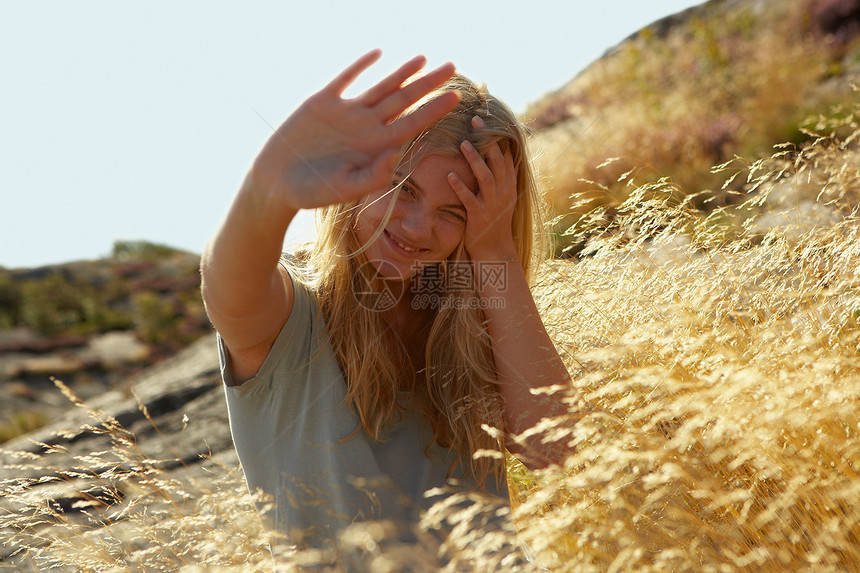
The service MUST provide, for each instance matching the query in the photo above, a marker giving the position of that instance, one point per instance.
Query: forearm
(525, 358)
(239, 265)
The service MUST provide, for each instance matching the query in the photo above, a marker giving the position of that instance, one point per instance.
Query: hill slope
(92, 324)
(727, 78)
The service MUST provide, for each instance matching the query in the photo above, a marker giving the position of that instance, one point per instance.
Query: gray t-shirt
(301, 444)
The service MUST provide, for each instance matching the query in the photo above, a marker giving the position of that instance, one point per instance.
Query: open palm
(335, 150)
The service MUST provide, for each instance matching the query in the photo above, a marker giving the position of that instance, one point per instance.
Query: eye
(404, 188)
(455, 215)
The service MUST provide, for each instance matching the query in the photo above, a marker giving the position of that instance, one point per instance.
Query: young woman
(373, 367)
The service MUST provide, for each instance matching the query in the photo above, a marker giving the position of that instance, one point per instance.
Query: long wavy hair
(457, 391)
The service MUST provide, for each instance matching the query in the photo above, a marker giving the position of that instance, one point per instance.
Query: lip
(395, 243)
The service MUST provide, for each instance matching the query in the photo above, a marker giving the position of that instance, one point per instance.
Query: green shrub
(10, 302)
(127, 250)
(53, 305)
(156, 319)
(20, 423)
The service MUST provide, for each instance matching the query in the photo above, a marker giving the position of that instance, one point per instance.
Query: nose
(417, 223)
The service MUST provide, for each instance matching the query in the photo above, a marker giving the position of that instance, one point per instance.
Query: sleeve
(258, 406)
(262, 409)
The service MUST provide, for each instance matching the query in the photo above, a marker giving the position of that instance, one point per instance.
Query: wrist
(495, 270)
(266, 202)
(501, 253)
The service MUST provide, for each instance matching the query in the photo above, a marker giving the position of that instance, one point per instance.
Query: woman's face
(427, 222)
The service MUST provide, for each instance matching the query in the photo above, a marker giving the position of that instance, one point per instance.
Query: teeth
(404, 247)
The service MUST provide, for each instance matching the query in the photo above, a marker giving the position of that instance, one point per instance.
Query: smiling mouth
(400, 245)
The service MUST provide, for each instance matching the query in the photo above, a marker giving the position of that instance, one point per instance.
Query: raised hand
(334, 150)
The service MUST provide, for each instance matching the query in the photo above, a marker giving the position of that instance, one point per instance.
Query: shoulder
(244, 363)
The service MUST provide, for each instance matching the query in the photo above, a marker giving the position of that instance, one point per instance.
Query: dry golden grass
(119, 510)
(716, 379)
(715, 411)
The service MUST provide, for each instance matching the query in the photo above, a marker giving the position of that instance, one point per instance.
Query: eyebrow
(404, 179)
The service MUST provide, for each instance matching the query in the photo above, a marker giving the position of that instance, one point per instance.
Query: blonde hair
(459, 391)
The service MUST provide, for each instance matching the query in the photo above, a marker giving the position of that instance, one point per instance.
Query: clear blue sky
(123, 120)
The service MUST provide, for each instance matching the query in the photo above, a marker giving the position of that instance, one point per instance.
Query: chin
(391, 270)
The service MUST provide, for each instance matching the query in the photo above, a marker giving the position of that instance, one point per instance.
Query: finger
(346, 77)
(483, 174)
(504, 174)
(511, 171)
(470, 200)
(510, 168)
(394, 81)
(399, 100)
(496, 163)
(506, 187)
(495, 158)
(407, 127)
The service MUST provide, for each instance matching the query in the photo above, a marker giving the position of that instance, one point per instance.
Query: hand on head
(488, 234)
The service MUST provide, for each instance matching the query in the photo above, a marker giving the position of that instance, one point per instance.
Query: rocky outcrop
(172, 416)
(93, 324)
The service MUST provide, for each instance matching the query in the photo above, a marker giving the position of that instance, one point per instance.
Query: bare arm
(247, 297)
(330, 150)
(523, 352)
(525, 359)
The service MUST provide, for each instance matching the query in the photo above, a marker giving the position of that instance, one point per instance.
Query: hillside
(724, 79)
(92, 324)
